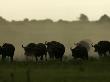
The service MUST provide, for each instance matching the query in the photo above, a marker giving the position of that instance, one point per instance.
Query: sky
(53, 9)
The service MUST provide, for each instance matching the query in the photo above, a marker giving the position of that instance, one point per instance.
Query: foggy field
(64, 32)
(54, 40)
(71, 71)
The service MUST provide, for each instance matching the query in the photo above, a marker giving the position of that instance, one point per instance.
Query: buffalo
(36, 50)
(102, 47)
(7, 50)
(85, 43)
(80, 52)
(55, 50)
(0, 50)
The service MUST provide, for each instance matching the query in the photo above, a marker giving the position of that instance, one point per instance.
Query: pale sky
(53, 9)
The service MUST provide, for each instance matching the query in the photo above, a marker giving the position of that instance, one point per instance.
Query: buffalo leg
(109, 52)
(26, 58)
(3, 57)
(100, 54)
(61, 59)
(36, 59)
(105, 54)
(86, 57)
(46, 57)
(51, 58)
(41, 58)
(11, 59)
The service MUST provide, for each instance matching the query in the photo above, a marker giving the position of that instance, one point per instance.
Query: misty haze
(66, 32)
(54, 40)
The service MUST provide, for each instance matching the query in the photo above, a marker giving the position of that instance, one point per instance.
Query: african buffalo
(80, 52)
(85, 43)
(0, 50)
(55, 50)
(7, 50)
(36, 50)
(102, 47)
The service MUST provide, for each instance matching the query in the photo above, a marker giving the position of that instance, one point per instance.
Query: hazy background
(67, 33)
(54, 9)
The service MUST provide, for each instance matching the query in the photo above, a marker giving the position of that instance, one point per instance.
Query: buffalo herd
(56, 50)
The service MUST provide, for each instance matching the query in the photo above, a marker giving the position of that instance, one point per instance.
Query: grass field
(66, 33)
(68, 71)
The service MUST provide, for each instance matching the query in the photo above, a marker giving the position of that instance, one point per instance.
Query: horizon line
(46, 18)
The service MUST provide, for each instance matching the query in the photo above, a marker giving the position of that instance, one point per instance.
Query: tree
(62, 21)
(2, 20)
(83, 18)
(104, 18)
(48, 21)
(33, 21)
(26, 20)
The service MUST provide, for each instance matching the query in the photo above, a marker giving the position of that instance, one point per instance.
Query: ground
(68, 71)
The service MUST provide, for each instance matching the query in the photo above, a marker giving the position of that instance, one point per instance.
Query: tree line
(82, 18)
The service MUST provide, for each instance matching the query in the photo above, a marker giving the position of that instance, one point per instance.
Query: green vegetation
(71, 71)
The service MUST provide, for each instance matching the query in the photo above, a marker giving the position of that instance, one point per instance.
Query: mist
(65, 32)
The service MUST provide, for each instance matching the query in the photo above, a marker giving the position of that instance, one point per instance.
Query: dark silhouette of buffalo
(55, 50)
(7, 50)
(80, 52)
(102, 47)
(85, 43)
(0, 50)
(36, 50)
